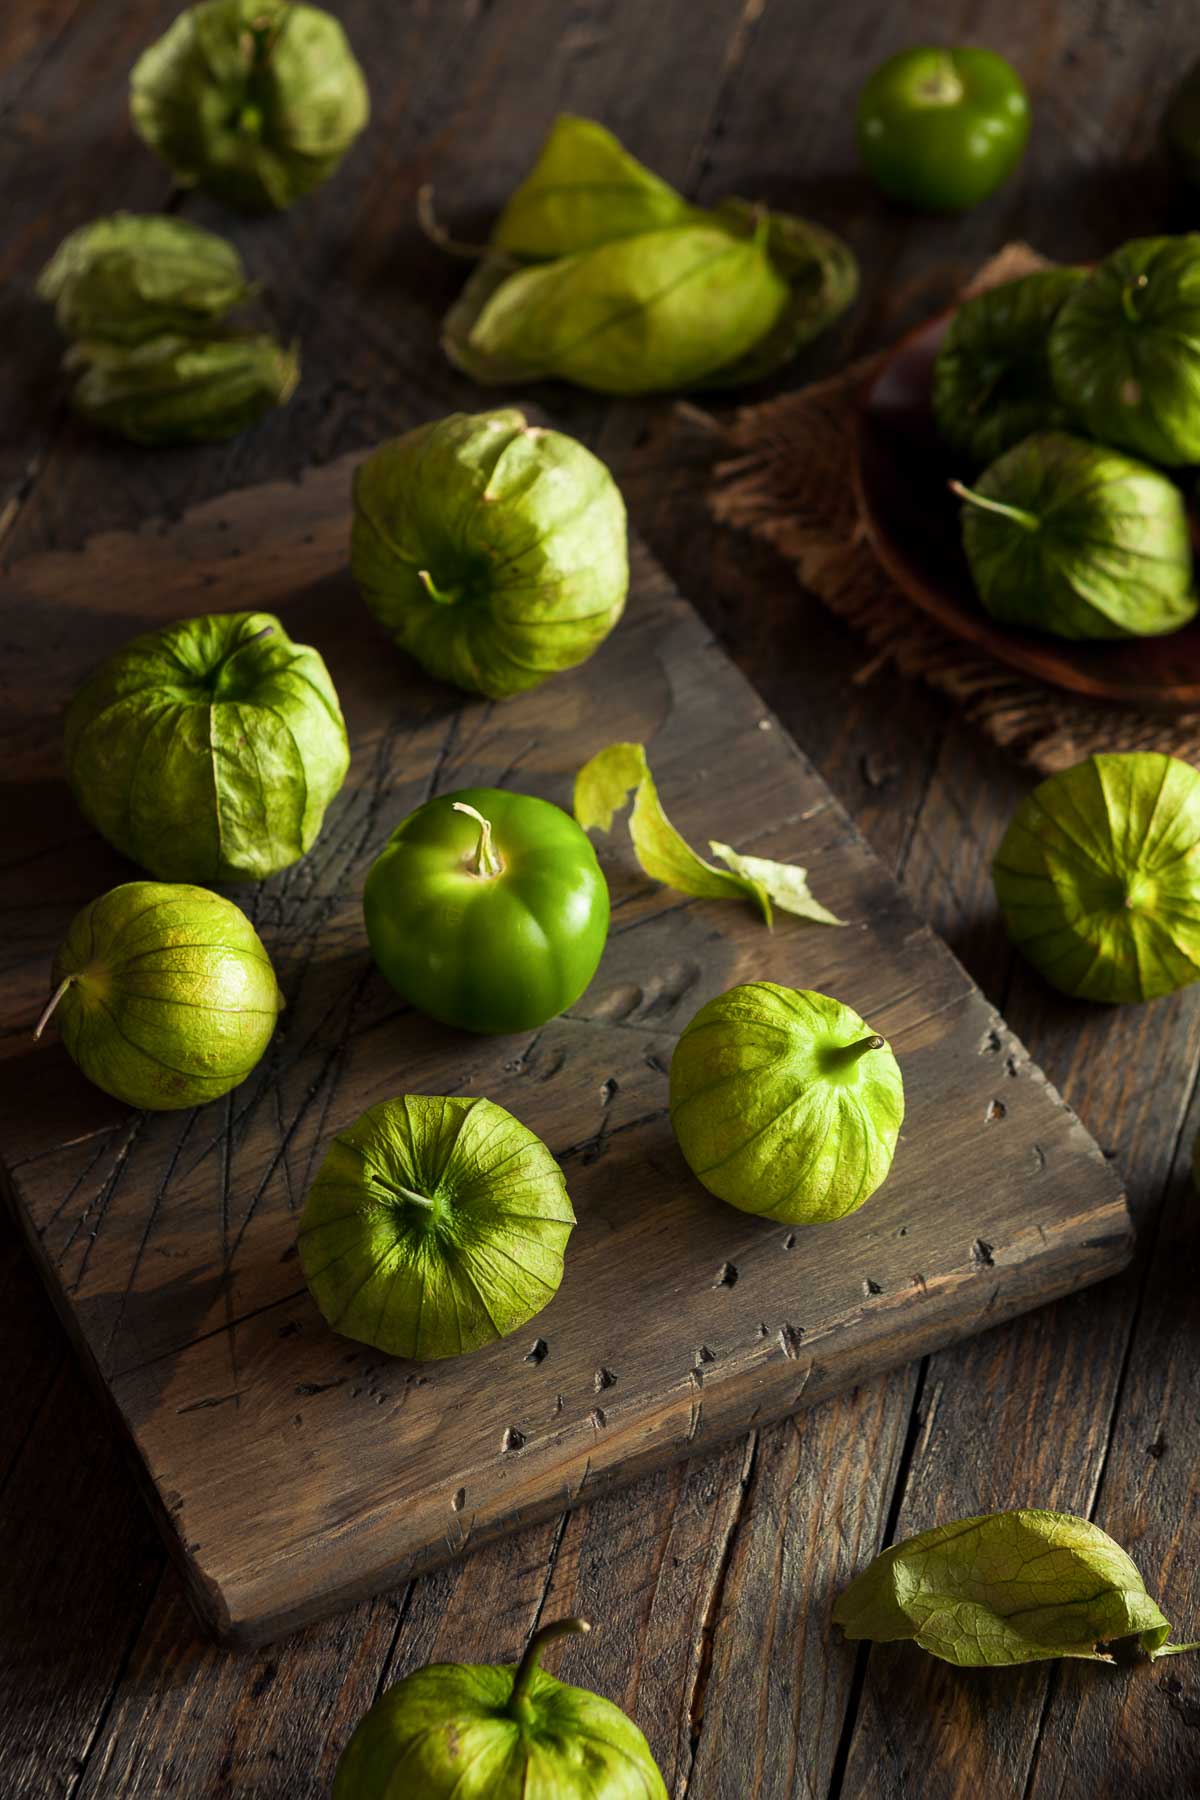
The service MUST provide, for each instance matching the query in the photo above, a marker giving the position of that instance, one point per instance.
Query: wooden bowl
(912, 521)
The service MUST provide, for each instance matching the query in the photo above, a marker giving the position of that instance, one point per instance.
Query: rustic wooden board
(294, 1471)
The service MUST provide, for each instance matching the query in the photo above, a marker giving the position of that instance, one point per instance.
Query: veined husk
(210, 750)
(166, 997)
(256, 101)
(1125, 350)
(785, 1103)
(493, 551)
(1098, 545)
(179, 390)
(1098, 877)
(601, 274)
(435, 1225)
(133, 276)
(992, 384)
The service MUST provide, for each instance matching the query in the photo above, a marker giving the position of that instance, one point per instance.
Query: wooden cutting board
(295, 1471)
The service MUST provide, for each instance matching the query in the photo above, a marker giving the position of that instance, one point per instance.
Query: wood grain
(298, 1472)
(106, 1686)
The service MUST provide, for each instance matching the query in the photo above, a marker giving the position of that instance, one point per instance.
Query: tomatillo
(940, 129)
(481, 1731)
(487, 910)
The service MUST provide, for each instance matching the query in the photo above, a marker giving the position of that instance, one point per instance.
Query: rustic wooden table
(713, 1582)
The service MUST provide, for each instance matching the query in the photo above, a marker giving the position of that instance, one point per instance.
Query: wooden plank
(984, 1439)
(169, 1242)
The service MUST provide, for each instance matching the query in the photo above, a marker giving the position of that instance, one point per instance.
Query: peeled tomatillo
(487, 910)
(470, 1731)
(940, 129)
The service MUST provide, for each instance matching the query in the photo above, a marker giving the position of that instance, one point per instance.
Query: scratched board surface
(295, 1471)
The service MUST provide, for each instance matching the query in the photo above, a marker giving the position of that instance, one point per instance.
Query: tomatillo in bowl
(940, 129)
(487, 910)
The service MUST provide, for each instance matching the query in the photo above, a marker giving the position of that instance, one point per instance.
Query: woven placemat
(790, 482)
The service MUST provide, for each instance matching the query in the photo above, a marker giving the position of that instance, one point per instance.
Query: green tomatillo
(1075, 539)
(785, 1103)
(493, 551)
(210, 750)
(163, 995)
(1125, 350)
(255, 101)
(1098, 877)
(435, 1224)
(469, 1731)
(180, 390)
(991, 381)
(131, 276)
(487, 910)
(940, 129)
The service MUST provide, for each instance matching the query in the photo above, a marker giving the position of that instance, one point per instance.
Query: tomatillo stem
(444, 596)
(518, 1701)
(850, 1053)
(943, 85)
(486, 861)
(51, 1003)
(1026, 520)
(1131, 289)
(436, 232)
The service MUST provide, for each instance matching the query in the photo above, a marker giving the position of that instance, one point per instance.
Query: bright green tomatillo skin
(1098, 877)
(940, 129)
(492, 550)
(469, 1731)
(1075, 539)
(208, 751)
(492, 918)
(434, 1225)
(1125, 350)
(785, 1103)
(163, 995)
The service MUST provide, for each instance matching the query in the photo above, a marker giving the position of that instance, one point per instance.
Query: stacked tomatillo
(1076, 394)
(145, 301)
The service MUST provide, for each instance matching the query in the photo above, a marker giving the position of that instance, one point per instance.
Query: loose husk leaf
(1006, 1588)
(584, 189)
(599, 273)
(602, 788)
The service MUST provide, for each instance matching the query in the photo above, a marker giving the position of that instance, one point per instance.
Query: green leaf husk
(584, 190)
(1124, 350)
(1098, 877)
(1001, 1589)
(163, 995)
(180, 390)
(471, 1731)
(786, 1103)
(129, 277)
(434, 1225)
(602, 788)
(600, 273)
(255, 101)
(210, 750)
(991, 381)
(493, 550)
(1072, 538)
